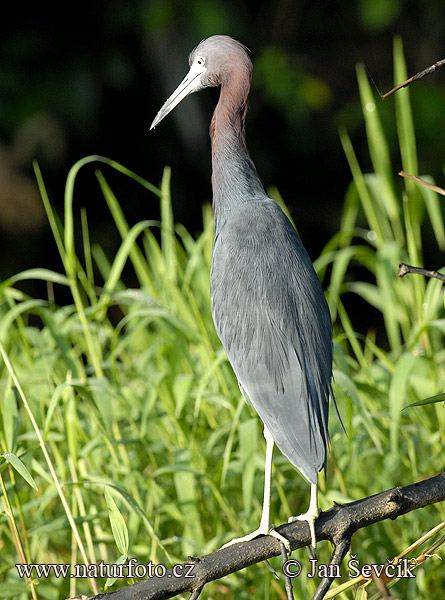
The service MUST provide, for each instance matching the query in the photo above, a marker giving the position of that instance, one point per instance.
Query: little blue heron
(268, 306)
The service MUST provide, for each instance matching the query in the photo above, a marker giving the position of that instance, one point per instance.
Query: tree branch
(405, 269)
(415, 77)
(336, 525)
(427, 184)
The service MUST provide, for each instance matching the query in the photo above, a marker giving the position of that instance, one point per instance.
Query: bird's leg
(311, 515)
(265, 528)
(265, 516)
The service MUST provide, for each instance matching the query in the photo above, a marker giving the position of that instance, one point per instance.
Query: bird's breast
(272, 318)
(263, 282)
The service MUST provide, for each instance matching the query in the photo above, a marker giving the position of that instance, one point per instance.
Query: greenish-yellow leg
(264, 528)
(311, 515)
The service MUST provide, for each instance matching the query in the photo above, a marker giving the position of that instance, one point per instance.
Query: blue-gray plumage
(268, 306)
(271, 316)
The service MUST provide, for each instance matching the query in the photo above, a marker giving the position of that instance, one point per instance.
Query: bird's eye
(200, 60)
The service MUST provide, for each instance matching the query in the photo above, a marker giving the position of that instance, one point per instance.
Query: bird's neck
(234, 177)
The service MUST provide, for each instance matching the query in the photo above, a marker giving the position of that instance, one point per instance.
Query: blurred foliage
(122, 428)
(288, 89)
(92, 83)
(378, 15)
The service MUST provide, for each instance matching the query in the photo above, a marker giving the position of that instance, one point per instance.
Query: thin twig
(287, 579)
(419, 75)
(405, 269)
(195, 594)
(271, 569)
(341, 548)
(436, 188)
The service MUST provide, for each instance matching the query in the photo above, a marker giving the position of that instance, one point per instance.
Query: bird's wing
(272, 318)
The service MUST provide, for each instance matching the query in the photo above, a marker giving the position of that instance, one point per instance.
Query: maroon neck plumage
(234, 177)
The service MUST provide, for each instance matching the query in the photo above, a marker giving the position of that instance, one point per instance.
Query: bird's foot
(260, 531)
(310, 517)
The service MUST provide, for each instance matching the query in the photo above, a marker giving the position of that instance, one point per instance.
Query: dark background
(88, 78)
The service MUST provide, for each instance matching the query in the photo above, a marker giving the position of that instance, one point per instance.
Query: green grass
(122, 429)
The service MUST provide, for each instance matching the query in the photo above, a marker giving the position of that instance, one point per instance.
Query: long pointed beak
(191, 83)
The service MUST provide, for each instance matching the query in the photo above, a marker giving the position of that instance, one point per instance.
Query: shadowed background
(91, 80)
(131, 389)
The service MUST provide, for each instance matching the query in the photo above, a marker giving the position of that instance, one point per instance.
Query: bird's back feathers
(273, 320)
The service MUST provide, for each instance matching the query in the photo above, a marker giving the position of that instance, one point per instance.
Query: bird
(268, 306)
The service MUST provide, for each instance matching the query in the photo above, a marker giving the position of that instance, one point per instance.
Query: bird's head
(212, 63)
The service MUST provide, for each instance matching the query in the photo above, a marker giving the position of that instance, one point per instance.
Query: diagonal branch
(405, 269)
(336, 525)
(427, 184)
(415, 77)
(341, 548)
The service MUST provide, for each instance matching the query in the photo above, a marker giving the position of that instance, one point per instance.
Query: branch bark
(415, 77)
(405, 269)
(336, 525)
(427, 184)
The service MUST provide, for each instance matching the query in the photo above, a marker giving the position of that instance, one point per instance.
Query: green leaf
(339, 267)
(120, 561)
(397, 393)
(377, 144)
(425, 401)
(404, 115)
(186, 491)
(181, 388)
(168, 238)
(42, 274)
(13, 590)
(118, 525)
(434, 210)
(27, 306)
(17, 464)
(10, 416)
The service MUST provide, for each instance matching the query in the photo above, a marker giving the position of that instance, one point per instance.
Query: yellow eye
(200, 60)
